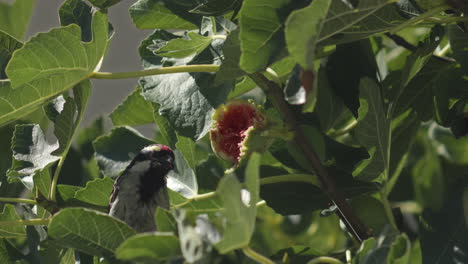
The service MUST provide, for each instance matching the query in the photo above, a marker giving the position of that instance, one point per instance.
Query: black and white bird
(141, 188)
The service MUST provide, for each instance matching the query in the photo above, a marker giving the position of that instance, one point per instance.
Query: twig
(352, 222)
(256, 256)
(405, 44)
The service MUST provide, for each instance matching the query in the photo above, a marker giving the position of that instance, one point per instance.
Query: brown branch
(405, 44)
(345, 212)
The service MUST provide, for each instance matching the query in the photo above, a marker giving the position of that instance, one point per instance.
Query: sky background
(122, 55)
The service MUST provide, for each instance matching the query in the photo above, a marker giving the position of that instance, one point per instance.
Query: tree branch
(352, 222)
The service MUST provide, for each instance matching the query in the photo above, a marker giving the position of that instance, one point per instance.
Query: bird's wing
(115, 188)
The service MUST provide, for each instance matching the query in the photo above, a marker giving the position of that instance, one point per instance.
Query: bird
(142, 187)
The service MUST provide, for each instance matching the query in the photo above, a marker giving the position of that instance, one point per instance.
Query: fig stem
(354, 225)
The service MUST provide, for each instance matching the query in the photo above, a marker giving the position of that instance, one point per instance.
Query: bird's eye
(169, 159)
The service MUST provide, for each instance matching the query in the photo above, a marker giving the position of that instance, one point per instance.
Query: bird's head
(159, 155)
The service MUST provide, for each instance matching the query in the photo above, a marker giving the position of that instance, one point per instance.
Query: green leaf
(204, 206)
(451, 148)
(31, 152)
(183, 180)
(103, 4)
(182, 47)
(112, 160)
(133, 111)
(148, 248)
(6, 133)
(88, 135)
(458, 40)
(80, 13)
(42, 181)
(165, 222)
(66, 193)
(303, 28)
(259, 32)
(427, 173)
(240, 206)
(69, 116)
(229, 68)
(301, 193)
(88, 231)
(342, 18)
(9, 231)
(4, 255)
(65, 125)
(316, 139)
(365, 250)
(351, 62)
(14, 19)
(421, 56)
(297, 254)
(444, 234)
(151, 14)
(372, 131)
(62, 59)
(168, 136)
(371, 211)
(187, 100)
(96, 192)
(329, 107)
(8, 44)
(216, 7)
(48, 65)
(400, 251)
(187, 147)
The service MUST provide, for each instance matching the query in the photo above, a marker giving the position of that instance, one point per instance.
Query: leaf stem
(306, 178)
(420, 18)
(344, 130)
(256, 256)
(53, 192)
(218, 37)
(63, 155)
(197, 197)
(352, 222)
(16, 200)
(156, 71)
(447, 20)
(269, 180)
(388, 209)
(39, 221)
(328, 260)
